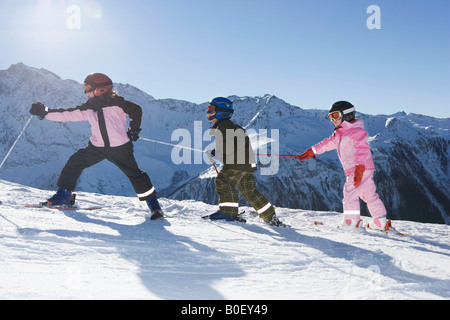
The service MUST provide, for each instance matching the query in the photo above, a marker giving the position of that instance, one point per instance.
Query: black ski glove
(39, 109)
(133, 134)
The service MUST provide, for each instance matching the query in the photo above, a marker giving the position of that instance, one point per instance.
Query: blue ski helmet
(223, 108)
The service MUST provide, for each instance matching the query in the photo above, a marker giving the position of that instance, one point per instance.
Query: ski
(47, 204)
(390, 231)
(237, 219)
(275, 222)
(69, 207)
(272, 223)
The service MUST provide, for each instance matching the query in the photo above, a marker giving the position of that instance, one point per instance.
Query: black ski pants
(121, 156)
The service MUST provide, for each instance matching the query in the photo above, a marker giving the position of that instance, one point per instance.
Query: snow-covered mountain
(118, 253)
(411, 151)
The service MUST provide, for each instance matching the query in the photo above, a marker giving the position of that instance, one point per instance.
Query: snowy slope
(116, 253)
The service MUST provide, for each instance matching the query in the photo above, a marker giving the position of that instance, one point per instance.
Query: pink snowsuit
(350, 140)
(107, 116)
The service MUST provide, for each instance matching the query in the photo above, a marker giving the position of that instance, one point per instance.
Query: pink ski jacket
(350, 140)
(107, 117)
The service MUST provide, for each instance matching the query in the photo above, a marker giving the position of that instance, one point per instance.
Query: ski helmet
(99, 83)
(342, 110)
(223, 108)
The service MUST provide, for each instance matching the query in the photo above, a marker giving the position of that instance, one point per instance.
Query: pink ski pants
(367, 192)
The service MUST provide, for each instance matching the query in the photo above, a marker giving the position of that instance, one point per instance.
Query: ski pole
(278, 155)
(15, 142)
(282, 155)
(212, 161)
(170, 144)
(182, 147)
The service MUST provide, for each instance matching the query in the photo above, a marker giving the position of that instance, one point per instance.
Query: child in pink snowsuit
(350, 140)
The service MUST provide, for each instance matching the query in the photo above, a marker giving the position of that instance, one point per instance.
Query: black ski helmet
(346, 110)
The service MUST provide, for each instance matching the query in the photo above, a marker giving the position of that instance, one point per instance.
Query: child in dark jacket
(107, 114)
(234, 150)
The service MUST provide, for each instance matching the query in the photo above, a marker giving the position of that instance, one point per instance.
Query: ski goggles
(211, 108)
(88, 88)
(335, 115)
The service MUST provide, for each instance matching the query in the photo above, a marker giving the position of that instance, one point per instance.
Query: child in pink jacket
(350, 140)
(107, 113)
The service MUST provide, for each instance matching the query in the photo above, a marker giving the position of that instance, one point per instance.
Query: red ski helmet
(99, 83)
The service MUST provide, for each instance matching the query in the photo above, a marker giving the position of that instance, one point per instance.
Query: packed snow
(118, 253)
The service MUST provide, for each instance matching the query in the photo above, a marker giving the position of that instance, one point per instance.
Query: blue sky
(309, 53)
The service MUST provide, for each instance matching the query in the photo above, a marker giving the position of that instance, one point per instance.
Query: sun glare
(56, 20)
(49, 22)
(93, 10)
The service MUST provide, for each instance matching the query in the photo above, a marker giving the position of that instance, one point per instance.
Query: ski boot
(62, 197)
(274, 221)
(381, 224)
(155, 208)
(351, 224)
(218, 216)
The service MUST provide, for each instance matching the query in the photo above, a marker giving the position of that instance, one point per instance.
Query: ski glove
(308, 154)
(39, 109)
(359, 172)
(133, 134)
